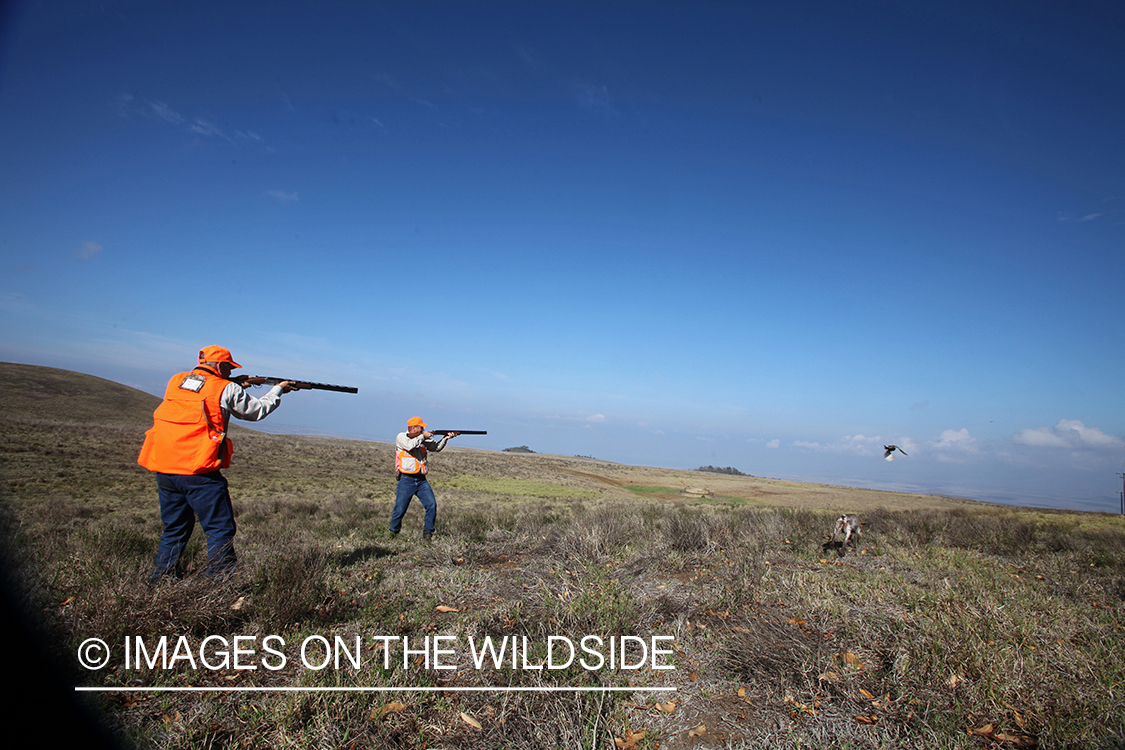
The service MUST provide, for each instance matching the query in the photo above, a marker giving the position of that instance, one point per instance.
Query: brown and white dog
(848, 525)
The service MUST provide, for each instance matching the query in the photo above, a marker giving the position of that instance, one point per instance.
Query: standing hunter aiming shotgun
(411, 453)
(188, 445)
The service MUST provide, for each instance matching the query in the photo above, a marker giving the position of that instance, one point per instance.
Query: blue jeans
(410, 485)
(182, 498)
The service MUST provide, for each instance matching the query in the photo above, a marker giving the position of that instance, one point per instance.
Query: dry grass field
(952, 624)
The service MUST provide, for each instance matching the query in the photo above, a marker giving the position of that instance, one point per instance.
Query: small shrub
(688, 532)
(289, 584)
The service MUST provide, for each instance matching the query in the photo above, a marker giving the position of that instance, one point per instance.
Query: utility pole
(1122, 493)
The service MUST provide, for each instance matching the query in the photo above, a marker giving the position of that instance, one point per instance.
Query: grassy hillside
(951, 624)
(65, 396)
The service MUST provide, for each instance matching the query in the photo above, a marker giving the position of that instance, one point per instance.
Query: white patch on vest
(193, 383)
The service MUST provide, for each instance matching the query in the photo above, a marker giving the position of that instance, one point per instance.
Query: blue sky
(663, 234)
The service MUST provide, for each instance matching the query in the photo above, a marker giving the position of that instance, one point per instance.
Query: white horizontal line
(80, 689)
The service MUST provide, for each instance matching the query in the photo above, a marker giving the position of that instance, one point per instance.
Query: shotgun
(459, 432)
(298, 384)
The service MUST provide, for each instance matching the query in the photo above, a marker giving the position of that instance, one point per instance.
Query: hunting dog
(847, 526)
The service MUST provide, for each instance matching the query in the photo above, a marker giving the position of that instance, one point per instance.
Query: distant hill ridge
(31, 391)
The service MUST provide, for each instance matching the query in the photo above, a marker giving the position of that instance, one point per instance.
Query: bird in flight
(890, 452)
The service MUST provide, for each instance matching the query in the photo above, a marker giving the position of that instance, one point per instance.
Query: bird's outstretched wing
(890, 452)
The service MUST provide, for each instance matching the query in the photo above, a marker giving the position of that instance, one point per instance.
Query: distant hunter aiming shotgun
(411, 454)
(297, 385)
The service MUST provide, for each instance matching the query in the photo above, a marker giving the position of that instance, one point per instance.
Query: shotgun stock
(299, 384)
(459, 432)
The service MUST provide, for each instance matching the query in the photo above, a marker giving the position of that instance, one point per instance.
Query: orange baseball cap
(217, 354)
(416, 422)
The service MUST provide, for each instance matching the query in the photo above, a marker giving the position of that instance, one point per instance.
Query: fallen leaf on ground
(829, 677)
(395, 707)
(699, 731)
(667, 708)
(630, 740)
(862, 719)
(470, 720)
(1019, 740)
(443, 608)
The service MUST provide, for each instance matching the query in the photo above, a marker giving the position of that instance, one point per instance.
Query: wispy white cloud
(1072, 434)
(203, 127)
(810, 445)
(592, 97)
(526, 56)
(775, 443)
(599, 418)
(1070, 218)
(283, 196)
(129, 105)
(859, 445)
(954, 446)
(88, 250)
(163, 112)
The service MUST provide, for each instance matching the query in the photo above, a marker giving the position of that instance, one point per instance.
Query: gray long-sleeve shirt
(236, 402)
(406, 443)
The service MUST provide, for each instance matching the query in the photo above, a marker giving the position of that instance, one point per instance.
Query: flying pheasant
(890, 450)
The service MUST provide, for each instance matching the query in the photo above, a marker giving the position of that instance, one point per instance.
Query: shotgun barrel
(460, 432)
(300, 384)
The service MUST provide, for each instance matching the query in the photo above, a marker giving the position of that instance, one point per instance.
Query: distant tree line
(519, 449)
(723, 470)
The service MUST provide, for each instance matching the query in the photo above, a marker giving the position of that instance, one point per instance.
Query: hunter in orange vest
(411, 453)
(187, 446)
(189, 434)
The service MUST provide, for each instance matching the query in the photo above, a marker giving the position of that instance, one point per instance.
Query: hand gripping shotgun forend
(297, 384)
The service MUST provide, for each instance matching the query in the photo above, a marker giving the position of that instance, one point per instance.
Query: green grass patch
(652, 489)
(505, 486)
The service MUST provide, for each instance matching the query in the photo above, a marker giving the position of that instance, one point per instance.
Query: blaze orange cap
(217, 354)
(416, 422)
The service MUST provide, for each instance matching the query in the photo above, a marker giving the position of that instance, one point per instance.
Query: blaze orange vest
(411, 463)
(188, 434)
